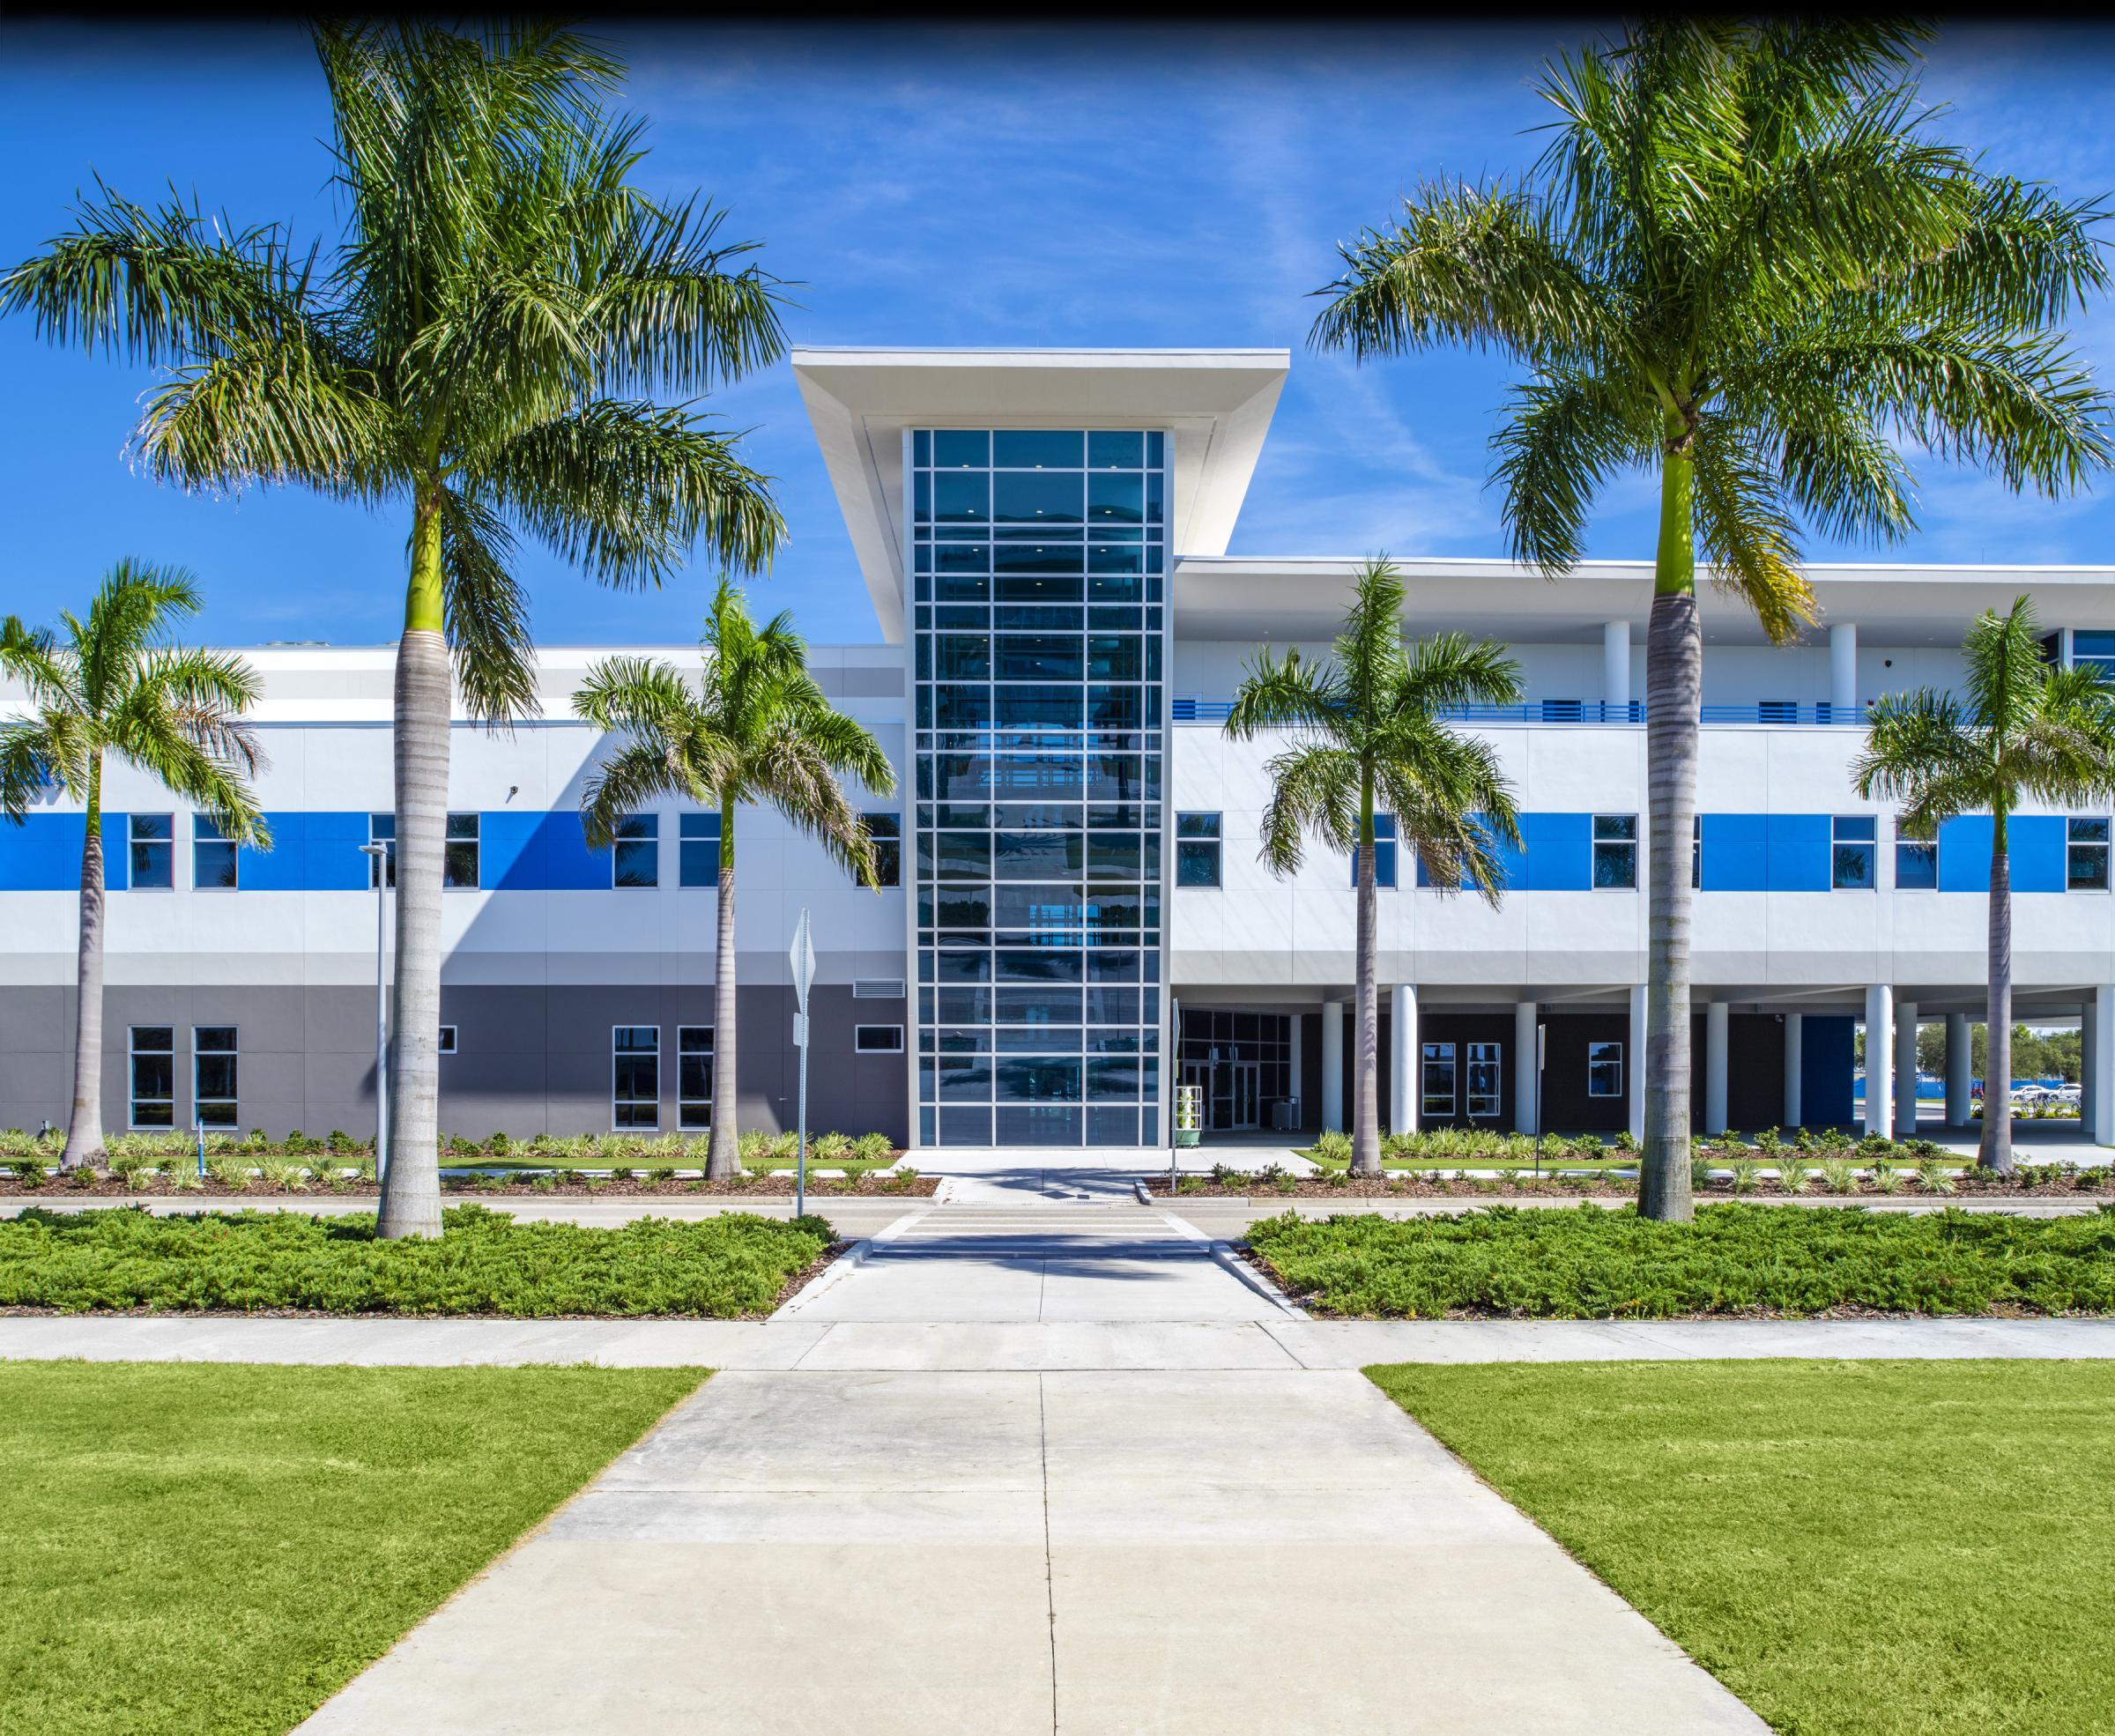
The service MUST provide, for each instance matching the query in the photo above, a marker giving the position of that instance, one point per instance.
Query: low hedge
(1587, 1264)
(484, 1263)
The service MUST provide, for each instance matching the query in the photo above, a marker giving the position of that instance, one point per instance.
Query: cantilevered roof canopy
(1218, 403)
(1303, 598)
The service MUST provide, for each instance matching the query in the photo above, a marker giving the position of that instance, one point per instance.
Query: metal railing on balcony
(1192, 710)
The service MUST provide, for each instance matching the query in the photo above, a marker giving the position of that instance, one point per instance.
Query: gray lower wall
(530, 1059)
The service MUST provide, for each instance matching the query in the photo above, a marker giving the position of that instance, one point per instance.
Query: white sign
(802, 956)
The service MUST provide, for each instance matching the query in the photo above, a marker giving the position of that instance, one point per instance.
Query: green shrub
(1332, 1146)
(658, 1174)
(279, 1175)
(230, 1169)
(1791, 1175)
(873, 1147)
(487, 1263)
(130, 1165)
(1735, 1259)
(1700, 1174)
(1746, 1173)
(1839, 1175)
(830, 1147)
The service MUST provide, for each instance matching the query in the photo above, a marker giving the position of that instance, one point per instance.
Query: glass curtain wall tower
(1038, 563)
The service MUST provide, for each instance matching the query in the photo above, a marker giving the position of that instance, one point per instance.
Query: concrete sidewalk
(809, 1344)
(1099, 1554)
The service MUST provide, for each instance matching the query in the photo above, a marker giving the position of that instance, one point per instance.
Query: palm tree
(117, 686)
(478, 345)
(756, 728)
(2023, 727)
(1744, 262)
(1368, 736)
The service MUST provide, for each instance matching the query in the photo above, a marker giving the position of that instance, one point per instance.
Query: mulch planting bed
(769, 1185)
(2101, 1185)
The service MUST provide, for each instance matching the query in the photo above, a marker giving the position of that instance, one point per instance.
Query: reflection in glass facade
(1037, 578)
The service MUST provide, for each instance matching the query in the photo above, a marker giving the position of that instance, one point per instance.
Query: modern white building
(1080, 921)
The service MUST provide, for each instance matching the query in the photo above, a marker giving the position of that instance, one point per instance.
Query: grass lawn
(1584, 1263)
(486, 1263)
(1854, 1548)
(193, 1550)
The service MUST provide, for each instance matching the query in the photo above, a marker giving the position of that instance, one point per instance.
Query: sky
(929, 187)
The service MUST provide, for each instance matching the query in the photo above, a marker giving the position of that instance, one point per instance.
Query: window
(635, 1076)
(1197, 850)
(1916, 865)
(1438, 1087)
(1697, 853)
(382, 829)
(447, 1039)
(153, 1075)
(1483, 1081)
(2094, 648)
(212, 856)
(1604, 1070)
(877, 988)
(1383, 852)
(698, 849)
(459, 863)
(152, 838)
(878, 1039)
(636, 859)
(1852, 852)
(2086, 854)
(886, 831)
(214, 1075)
(694, 1076)
(1615, 850)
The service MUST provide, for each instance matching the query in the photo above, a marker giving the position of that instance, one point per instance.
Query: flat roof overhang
(1218, 403)
(1303, 598)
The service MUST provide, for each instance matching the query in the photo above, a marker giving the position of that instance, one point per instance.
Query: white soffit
(1218, 403)
(1303, 598)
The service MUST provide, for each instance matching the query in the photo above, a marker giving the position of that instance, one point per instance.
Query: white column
(2088, 1086)
(1527, 1083)
(1960, 1071)
(1795, 1066)
(1905, 1069)
(1333, 1066)
(1402, 1059)
(1637, 1062)
(1297, 1084)
(1715, 1026)
(1615, 666)
(2102, 1061)
(1879, 1024)
(1843, 672)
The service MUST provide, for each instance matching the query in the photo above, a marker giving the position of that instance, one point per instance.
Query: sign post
(802, 956)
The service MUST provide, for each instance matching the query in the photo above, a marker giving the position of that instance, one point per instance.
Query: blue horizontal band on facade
(1822, 716)
(318, 851)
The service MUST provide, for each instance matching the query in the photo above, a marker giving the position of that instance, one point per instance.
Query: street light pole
(379, 856)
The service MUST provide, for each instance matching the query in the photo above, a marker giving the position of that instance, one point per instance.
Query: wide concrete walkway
(875, 1538)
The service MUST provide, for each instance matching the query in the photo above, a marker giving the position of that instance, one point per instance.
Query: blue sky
(928, 187)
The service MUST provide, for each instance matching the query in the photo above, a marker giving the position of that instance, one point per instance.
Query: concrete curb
(834, 1274)
(1251, 1279)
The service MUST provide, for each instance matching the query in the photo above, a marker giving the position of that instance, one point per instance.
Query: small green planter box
(1189, 1115)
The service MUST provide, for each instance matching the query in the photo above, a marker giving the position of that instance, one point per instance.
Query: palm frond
(1284, 692)
(635, 776)
(1313, 788)
(624, 489)
(486, 611)
(1746, 535)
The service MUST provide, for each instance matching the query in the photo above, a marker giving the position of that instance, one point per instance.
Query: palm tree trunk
(84, 1125)
(1993, 1150)
(1673, 691)
(724, 1158)
(410, 1194)
(1365, 1070)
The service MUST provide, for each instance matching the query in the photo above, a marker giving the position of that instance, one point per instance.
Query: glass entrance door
(1247, 1096)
